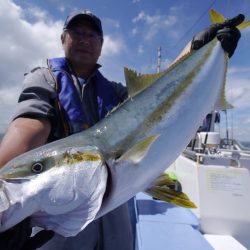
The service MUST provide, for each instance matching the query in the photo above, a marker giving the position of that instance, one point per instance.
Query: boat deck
(161, 226)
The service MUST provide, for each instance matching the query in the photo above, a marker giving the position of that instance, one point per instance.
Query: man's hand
(226, 32)
(18, 237)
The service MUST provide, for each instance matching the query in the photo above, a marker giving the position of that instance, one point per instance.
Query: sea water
(245, 144)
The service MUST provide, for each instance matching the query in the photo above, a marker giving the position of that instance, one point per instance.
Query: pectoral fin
(139, 150)
(162, 190)
(165, 179)
(171, 196)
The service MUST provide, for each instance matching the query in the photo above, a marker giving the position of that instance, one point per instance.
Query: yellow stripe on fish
(81, 156)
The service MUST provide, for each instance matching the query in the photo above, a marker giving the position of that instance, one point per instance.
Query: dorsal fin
(137, 82)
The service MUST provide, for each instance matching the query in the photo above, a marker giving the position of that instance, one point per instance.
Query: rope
(194, 24)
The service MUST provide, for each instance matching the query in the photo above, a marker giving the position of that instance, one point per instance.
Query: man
(65, 98)
(70, 96)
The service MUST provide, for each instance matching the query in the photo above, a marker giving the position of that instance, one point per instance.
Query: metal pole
(159, 60)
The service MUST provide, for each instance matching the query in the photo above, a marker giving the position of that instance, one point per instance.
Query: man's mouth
(80, 50)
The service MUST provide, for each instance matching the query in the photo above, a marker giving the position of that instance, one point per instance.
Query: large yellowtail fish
(66, 184)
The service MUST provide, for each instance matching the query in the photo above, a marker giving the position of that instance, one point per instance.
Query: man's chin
(86, 63)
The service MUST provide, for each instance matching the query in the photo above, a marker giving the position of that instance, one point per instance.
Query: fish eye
(37, 167)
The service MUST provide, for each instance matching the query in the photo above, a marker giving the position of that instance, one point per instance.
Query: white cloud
(155, 23)
(247, 121)
(111, 23)
(140, 49)
(112, 46)
(238, 94)
(61, 8)
(24, 44)
(238, 70)
(241, 133)
(8, 102)
(134, 31)
(238, 87)
(36, 12)
(165, 63)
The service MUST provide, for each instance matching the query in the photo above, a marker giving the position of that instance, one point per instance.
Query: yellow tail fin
(216, 17)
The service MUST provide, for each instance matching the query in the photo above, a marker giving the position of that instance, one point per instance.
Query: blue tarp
(162, 226)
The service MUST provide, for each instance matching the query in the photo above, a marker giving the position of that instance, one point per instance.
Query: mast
(158, 60)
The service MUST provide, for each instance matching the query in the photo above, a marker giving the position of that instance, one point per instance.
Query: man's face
(82, 44)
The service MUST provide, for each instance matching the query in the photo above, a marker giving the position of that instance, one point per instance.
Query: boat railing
(230, 158)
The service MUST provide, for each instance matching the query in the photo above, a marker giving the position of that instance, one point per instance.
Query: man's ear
(62, 38)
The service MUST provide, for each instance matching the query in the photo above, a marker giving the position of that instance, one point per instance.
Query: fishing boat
(214, 173)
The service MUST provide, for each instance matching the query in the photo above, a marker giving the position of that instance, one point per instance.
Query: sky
(133, 31)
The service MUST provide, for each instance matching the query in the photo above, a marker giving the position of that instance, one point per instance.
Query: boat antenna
(232, 126)
(227, 137)
(158, 60)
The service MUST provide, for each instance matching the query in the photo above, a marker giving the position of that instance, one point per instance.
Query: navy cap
(77, 15)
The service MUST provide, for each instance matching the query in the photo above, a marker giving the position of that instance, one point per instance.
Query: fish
(64, 185)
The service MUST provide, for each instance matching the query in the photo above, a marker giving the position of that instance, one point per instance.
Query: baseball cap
(77, 15)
